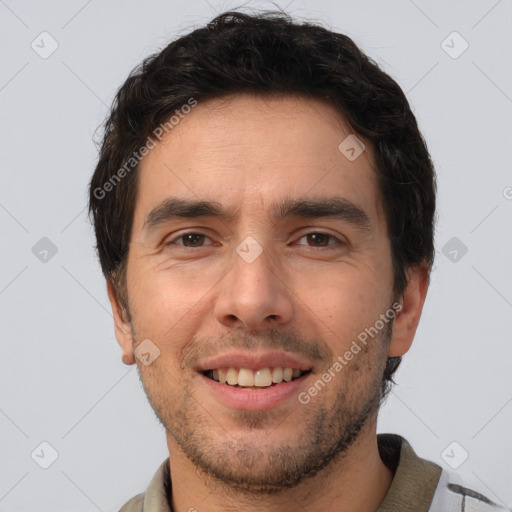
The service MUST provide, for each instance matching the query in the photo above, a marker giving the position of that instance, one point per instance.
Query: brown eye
(191, 240)
(319, 239)
(194, 239)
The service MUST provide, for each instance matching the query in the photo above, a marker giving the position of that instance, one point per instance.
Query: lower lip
(251, 399)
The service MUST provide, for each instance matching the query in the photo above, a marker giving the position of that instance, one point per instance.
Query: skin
(247, 152)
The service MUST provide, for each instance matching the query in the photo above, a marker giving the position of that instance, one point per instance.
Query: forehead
(247, 151)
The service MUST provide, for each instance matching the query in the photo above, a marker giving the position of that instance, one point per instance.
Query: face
(285, 267)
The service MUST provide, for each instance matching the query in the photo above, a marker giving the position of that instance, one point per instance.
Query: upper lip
(254, 361)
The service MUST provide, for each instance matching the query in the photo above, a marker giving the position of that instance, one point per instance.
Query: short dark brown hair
(268, 53)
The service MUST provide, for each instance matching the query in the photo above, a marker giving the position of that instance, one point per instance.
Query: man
(264, 210)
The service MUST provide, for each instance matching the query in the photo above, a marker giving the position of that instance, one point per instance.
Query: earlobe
(407, 319)
(122, 326)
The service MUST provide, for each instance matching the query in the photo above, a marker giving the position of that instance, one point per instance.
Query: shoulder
(133, 505)
(155, 496)
(453, 496)
(422, 485)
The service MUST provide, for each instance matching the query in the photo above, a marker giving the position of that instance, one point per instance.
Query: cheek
(171, 291)
(165, 310)
(343, 302)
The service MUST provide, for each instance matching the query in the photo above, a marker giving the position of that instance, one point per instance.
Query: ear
(122, 327)
(407, 319)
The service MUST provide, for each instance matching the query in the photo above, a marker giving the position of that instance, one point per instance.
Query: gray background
(61, 377)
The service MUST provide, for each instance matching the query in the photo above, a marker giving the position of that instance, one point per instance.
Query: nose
(253, 295)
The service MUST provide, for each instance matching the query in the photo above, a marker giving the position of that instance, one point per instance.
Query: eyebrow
(175, 208)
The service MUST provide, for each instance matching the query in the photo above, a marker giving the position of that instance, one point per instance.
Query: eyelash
(327, 247)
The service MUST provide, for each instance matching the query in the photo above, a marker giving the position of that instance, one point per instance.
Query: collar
(415, 479)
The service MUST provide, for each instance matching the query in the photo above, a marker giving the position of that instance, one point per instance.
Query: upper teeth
(261, 378)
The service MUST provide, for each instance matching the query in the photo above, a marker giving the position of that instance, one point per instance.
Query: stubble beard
(242, 465)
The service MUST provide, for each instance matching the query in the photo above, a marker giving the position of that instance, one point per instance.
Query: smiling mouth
(247, 378)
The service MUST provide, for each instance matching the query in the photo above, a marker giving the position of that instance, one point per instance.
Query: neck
(358, 482)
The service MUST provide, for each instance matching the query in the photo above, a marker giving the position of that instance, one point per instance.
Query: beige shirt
(418, 485)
